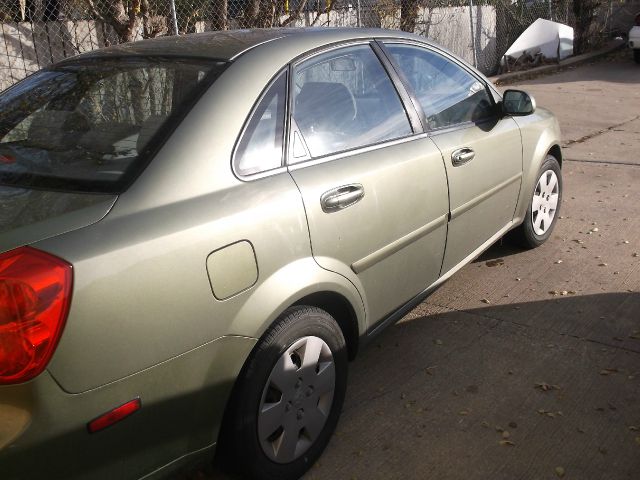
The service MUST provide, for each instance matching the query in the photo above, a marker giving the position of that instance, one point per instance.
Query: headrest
(324, 103)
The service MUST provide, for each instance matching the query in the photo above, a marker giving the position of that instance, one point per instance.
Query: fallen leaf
(608, 371)
(602, 264)
(558, 262)
(508, 443)
(495, 263)
(545, 387)
(560, 472)
(634, 428)
(484, 300)
(505, 434)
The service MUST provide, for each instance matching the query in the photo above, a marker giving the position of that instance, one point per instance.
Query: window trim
(247, 122)
(407, 107)
(412, 94)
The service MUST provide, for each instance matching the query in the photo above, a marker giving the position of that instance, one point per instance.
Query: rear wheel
(543, 208)
(289, 397)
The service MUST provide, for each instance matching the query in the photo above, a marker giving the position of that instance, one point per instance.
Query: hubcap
(545, 202)
(296, 400)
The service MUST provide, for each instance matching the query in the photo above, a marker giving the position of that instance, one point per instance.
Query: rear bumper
(43, 430)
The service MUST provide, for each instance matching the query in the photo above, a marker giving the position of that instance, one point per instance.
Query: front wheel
(289, 397)
(543, 208)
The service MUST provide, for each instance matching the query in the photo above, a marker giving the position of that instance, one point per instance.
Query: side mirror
(518, 103)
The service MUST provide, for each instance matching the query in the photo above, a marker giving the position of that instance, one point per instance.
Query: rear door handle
(462, 156)
(341, 197)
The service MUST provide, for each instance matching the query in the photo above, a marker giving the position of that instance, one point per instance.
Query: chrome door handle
(341, 197)
(462, 156)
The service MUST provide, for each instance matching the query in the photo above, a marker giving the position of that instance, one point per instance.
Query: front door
(482, 150)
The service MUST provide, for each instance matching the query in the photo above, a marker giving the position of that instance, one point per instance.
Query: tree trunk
(220, 20)
(585, 13)
(408, 15)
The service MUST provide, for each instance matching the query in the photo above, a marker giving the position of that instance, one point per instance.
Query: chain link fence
(36, 33)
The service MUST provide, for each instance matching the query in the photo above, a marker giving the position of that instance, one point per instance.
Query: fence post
(473, 37)
(359, 21)
(174, 17)
(550, 11)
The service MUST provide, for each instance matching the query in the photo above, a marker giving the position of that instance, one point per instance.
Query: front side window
(86, 126)
(447, 93)
(344, 99)
(260, 148)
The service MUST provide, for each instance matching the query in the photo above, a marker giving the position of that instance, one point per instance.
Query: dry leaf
(560, 472)
(508, 443)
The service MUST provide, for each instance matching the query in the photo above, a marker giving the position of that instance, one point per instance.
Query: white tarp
(544, 36)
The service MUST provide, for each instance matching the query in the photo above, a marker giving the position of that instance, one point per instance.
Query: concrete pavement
(526, 364)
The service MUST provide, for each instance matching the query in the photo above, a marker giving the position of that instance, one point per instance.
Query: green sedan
(198, 233)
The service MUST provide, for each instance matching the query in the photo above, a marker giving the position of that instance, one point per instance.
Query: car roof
(229, 44)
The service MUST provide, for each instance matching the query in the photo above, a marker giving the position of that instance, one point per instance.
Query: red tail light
(35, 292)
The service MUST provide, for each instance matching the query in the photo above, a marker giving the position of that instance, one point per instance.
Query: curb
(508, 78)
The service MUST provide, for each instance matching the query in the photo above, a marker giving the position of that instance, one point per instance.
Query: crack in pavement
(552, 331)
(603, 162)
(599, 132)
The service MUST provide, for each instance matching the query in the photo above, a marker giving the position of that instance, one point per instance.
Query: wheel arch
(341, 310)
(556, 151)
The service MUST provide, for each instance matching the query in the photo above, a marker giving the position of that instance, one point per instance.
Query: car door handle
(462, 156)
(341, 197)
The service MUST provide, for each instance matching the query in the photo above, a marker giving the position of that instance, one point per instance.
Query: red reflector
(114, 416)
(7, 159)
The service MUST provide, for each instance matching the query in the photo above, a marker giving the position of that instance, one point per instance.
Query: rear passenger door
(482, 150)
(374, 188)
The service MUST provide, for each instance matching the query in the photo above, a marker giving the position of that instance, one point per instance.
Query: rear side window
(260, 147)
(344, 99)
(447, 93)
(87, 126)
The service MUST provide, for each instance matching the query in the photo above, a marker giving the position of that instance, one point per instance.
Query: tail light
(35, 292)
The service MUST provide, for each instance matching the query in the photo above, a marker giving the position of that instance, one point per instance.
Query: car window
(260, 148)
(86, 126)
(344, 99)
(448, 94)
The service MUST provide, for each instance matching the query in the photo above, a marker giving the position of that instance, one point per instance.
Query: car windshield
(91, 126)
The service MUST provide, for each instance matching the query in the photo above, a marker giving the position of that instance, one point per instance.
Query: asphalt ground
(526, 364)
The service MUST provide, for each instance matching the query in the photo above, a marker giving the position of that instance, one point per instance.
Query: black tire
(636, 55)
(240, 449)
(525, 235)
